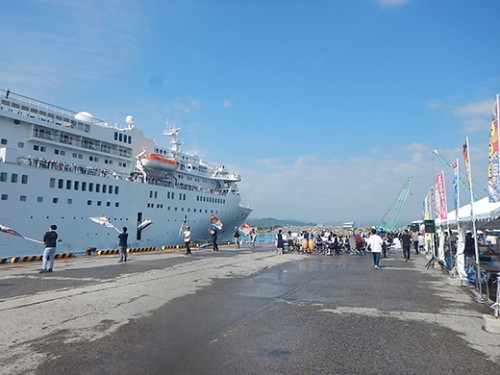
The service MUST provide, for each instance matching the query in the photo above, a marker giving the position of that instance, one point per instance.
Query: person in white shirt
(187, 240)
(374, 244)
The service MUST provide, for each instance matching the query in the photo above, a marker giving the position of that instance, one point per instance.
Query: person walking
(374, 243)
(236, 237)
(414, 240)
(290, 240)
(279, 242)
(253, 237)
(406, 243)
(187, 240)
(421, 243)
(122, 244)
(50, 242)
(213, 233)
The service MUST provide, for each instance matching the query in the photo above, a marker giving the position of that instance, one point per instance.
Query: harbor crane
(390, 223)
(463, 184)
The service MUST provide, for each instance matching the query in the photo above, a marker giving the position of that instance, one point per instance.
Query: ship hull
(70, 211)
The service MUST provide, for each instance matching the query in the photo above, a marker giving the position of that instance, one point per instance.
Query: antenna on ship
(173, 133)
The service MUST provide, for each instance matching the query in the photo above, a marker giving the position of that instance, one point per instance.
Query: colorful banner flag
(183, 225)
(493, 159)
(215, 223)
(103, 220)
(246, 228)
(443, 209)
(8, 230)
(465, 152)
(455, 169)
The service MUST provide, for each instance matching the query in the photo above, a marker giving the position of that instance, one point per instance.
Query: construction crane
(463, 184)
(390, 223)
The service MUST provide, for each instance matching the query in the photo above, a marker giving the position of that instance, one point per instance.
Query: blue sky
(325, 108)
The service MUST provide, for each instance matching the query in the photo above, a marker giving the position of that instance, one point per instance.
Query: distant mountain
(272, 222)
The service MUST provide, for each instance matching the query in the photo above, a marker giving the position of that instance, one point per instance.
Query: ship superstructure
(62, 167)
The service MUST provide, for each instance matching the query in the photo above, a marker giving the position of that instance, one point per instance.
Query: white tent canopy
(486, 214)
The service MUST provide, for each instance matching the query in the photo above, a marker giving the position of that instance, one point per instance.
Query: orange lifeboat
(159, 163)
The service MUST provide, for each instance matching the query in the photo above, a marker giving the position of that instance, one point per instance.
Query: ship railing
(33, 108)
(64, 166)
(182, 186)
(93, 145)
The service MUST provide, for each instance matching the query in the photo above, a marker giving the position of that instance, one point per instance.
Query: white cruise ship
(62, 167)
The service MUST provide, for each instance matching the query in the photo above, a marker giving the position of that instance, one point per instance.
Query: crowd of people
(361, 242)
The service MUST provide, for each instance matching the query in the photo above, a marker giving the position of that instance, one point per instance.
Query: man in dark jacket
(50, 242)
(406, 243)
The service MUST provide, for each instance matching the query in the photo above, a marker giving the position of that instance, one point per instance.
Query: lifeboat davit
(159, 162)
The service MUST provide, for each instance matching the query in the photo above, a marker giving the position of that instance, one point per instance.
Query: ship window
(99, 203)
(76, 185)
(39, 199)
(70, 201)
(35, 147)
(42, 148)
(175, 209)
(129, 139)
(22, 198)
(108, 204)
(3, 176)
(97, 188)
(5, 197)
(13, 178)
(117, 204)
(120, 137)
(60, 183)
(62, 152)
(116, 190)
(56, 151)
(20, 144)
(68, 185)
(52, 182)
(89, 203)
(24, 179)
(55, 200)
(116, 136)
(75, 155)
(91, 186)
(3, 141)
(104, 188)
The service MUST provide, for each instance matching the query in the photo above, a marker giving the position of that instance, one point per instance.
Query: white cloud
(185, 105)
(482, 108)
(361, 188)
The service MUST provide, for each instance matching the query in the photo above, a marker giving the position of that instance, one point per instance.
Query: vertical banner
(465, 152)
(443, 210)
(432, 206)
(494, 159)
(455, 170)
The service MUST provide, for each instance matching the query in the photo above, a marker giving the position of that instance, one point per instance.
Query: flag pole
(480, 299)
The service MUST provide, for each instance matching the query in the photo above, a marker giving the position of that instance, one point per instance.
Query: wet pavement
(245, 311)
